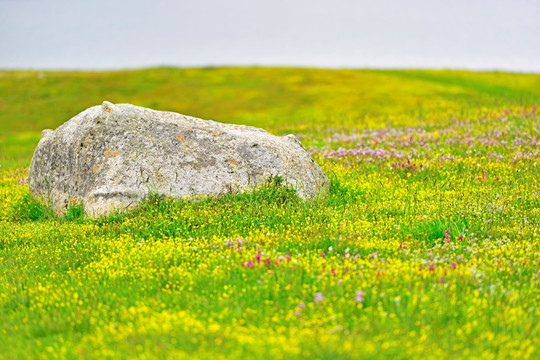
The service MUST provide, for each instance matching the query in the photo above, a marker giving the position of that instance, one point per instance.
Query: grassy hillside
(281, 100)
(427, 244)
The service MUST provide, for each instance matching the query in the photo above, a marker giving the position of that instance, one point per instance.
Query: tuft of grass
(29, 208)
(74, 212)
(434, 231)
(262, 206)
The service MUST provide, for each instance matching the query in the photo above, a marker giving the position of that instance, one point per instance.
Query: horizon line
(280, 66)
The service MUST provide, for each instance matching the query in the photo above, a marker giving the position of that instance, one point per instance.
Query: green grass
(433, 213)
(280, 99)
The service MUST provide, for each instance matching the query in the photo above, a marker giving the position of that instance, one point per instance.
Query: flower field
(427, 244)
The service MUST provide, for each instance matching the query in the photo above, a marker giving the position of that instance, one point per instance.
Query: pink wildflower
(318, 297)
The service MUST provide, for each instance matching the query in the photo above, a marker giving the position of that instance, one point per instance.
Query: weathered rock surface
(111, 156)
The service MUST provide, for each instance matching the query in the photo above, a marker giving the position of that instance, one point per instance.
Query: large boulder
(110, 156)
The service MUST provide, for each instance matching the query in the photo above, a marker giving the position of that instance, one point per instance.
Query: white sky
(113, 34)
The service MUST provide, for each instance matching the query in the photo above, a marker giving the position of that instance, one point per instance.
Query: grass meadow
(427, 244)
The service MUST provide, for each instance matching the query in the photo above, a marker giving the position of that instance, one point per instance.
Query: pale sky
(117, 34)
